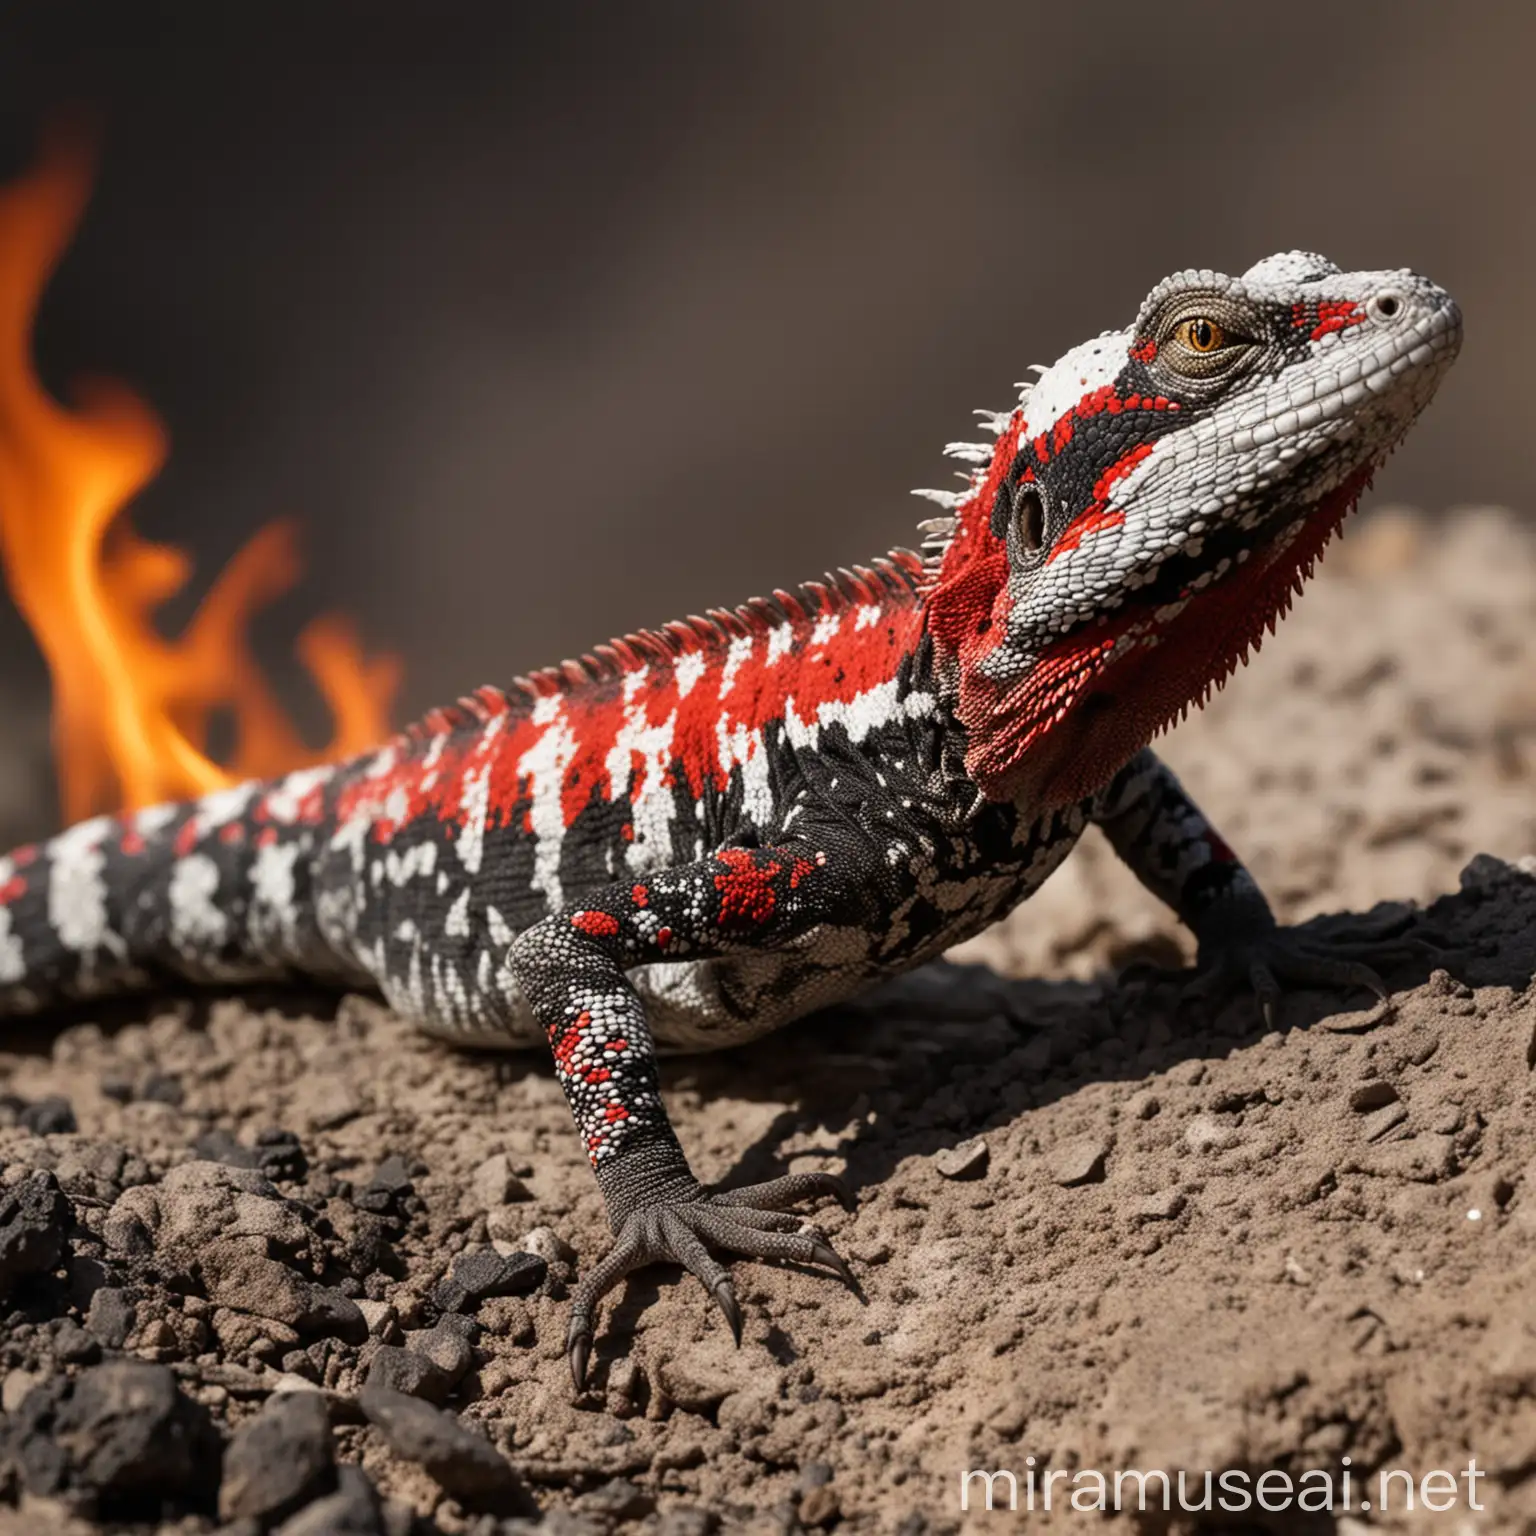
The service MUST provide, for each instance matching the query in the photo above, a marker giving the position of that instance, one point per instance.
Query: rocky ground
(279, 1263)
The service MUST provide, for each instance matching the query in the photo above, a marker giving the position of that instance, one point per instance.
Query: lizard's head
(1155, 500)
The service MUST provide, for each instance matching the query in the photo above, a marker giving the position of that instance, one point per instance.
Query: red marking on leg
(639, 895)
(571, 1038)
(615, 1111)
(132, 843)
(599, 924)
(800, 869)
(746, 888)
(266, 837)
(186, 839)
(231, 832)
(12, 889)
(617, 1045)
(598, 1075)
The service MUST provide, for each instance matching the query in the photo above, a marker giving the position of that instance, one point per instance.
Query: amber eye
(1201, 334)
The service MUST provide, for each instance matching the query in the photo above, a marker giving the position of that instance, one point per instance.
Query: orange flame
(132, 709)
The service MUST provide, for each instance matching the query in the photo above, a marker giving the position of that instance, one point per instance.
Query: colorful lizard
(694, 835)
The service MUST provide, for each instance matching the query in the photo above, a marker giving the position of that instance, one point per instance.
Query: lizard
(694, 835)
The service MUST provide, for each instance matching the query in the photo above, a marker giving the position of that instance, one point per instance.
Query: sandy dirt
(1189, 1243)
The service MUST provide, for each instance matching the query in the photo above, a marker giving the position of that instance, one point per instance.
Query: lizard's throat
(1095, 698)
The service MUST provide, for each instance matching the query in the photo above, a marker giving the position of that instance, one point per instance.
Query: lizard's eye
(1201, 334)
(1028, 520)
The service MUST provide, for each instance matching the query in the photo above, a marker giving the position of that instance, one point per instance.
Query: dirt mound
(1097, 1227)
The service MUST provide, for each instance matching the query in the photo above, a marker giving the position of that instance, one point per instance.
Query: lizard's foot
(1266, 960)
(754, 1222)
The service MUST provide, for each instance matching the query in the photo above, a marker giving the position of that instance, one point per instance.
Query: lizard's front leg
(1181, 858)
(571, 969)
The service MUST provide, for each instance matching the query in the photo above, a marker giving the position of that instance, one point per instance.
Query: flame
(131, 708)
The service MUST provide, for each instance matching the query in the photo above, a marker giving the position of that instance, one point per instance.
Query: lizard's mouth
(1097, 696)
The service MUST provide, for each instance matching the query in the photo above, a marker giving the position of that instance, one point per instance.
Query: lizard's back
(412, 868)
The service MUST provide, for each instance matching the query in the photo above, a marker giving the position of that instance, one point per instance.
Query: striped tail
(214, 890)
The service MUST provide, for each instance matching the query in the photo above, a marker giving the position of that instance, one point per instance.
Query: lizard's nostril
(1386, 306)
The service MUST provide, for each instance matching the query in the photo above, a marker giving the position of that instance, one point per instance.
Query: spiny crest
(897, 575)
(939, 532)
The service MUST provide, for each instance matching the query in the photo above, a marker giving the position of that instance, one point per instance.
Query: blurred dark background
(551, 321)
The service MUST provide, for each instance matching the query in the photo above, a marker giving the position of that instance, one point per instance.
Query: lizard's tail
(214, 890)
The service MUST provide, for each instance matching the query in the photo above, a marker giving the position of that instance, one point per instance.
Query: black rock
(277, 1153)
(122, 1432)
(280, 1154)
(48, 1117)
(353, 1510)
(111, 1317)
(466, 1466)
(390, 1184)
(333, 1315)
(162, 1088)
(73, 1345)
(34, 1219)
(117, 1083)
(446, 1348)
(279, 1461)
(405, 1372)
(477, 1276)
(462, 1324)
(218, 1146)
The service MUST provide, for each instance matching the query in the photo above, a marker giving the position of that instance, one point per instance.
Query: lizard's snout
(1418, 313)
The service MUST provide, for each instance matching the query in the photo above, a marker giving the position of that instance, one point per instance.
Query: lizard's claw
(1331, 954)
(1327, 952)
(750, 1222)
(1266, 962)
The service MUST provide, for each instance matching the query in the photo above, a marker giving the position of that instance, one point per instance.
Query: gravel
(279, 1461)
(120, 1437)
(484, 1273)
(408, 1373)
(34, 1222)
(466, 1466)
(968, 1160)
(1078, 1161)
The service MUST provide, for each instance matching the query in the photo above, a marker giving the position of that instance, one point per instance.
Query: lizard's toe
(626, 1254)
(724, 1228)
(725, 1298)
(1269, 964)
(748, 1223)
(578, 1349)
(791, 1189)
